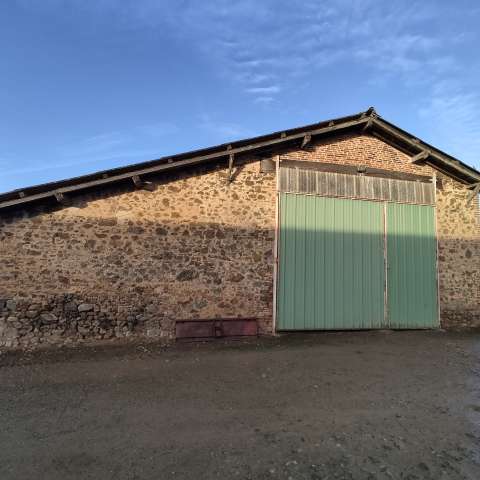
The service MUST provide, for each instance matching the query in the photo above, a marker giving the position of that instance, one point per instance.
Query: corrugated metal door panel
(300, 255)
(287, 261)
(332, 273)
(412, 271)
(310, 253)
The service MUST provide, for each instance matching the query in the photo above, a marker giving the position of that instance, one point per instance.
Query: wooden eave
(363, 123)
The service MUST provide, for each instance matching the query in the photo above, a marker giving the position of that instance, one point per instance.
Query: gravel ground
(367, 405)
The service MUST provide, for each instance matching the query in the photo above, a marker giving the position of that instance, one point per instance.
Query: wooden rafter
(140, 183)
(404, 137)
(306, 140)
(475, 192)
(231, 160)
(368, 126)
(420, 157)
(60, 197)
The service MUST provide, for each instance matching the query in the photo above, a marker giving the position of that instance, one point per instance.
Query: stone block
(85, 307)
(11, 305)
(48, 318)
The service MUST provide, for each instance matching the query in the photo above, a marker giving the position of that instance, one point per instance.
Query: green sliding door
(332, 273)
(355, 264)
(411, 266)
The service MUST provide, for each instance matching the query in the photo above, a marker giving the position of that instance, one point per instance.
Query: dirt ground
(364, 405)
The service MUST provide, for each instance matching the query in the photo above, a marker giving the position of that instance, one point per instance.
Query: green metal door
(411, 266)
(354, 264)
(332, 266)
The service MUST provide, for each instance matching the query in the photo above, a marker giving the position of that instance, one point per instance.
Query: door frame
(276, 266)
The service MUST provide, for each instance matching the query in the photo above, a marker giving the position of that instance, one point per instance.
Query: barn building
(350, 223)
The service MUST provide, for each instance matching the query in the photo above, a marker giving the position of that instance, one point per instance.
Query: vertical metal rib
(331, 184)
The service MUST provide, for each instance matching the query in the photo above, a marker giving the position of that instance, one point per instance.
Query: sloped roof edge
(364, 121)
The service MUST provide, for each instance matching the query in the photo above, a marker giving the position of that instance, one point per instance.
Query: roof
(364, 121)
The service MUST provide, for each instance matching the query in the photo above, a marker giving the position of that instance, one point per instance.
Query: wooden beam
(383, 130)
(405, 139)
(231, 159)
(406, 149)
(139, 183)
(194, 160)
(60, 197)
(420, 157)
(475, 192)
(367, 126)
(306, 140)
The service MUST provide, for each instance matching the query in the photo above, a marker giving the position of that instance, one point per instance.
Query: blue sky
(92, 84)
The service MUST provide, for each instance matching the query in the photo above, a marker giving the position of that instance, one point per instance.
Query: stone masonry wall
(458, 229)
(128, 263)
(131, 262)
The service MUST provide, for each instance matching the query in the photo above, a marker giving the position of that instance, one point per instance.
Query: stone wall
(123, 263)
(458, 229)
(130, 262)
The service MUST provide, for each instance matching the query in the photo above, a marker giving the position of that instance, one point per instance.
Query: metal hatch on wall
(355, 252)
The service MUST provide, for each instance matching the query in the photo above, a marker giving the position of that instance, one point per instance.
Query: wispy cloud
(273, 46)
(452, 113)
(101, 143)
(101, 148)
(270, 47)
(116, 143)
(221, 130)
(264, 100)
(159, 129)
(270, 90)
(81, 160)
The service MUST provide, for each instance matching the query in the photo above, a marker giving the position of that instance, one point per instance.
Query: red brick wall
(358, 150)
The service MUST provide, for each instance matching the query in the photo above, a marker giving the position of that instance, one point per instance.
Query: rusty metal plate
(216, 328)
(239, 328)
(189, 329)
